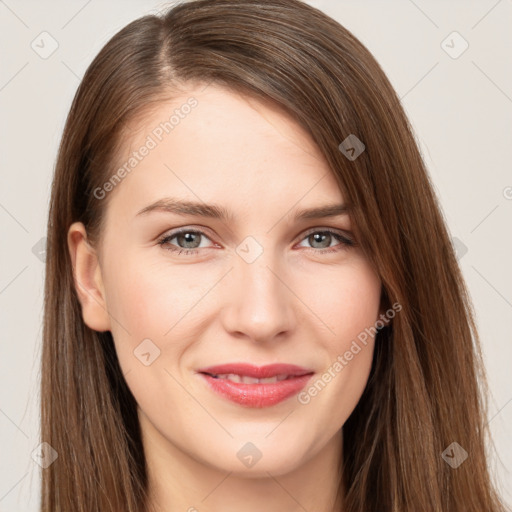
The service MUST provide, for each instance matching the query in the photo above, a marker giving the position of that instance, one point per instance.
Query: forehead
(215, 145)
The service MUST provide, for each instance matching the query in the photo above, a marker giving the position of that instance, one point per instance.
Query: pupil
(189, 239)
(319, 236)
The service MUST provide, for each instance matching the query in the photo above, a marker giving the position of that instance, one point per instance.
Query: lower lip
(257, 395)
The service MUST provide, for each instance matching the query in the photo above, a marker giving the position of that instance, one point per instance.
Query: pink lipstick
(253, 386)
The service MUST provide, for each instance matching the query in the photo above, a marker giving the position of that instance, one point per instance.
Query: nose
(259, 305)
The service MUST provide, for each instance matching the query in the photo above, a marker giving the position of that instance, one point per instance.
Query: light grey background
(460, 108)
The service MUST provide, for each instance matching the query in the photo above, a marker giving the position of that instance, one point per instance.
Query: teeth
(268, 380)
(243, 379)
(231, 376)
(247, 380)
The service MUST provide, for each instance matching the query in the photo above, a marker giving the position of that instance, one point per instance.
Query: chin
(253, 461)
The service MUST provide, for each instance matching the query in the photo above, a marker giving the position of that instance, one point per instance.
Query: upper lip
(258, 372)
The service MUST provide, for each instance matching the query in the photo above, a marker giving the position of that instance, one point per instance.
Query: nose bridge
(259, 304)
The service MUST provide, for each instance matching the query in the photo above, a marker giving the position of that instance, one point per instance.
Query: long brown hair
(423, 393)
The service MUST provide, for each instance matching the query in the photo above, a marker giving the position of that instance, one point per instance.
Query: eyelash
(345, 244)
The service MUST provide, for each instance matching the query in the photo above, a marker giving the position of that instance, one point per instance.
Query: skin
(293, 304)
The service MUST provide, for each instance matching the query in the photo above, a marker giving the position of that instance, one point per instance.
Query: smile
(256, 387)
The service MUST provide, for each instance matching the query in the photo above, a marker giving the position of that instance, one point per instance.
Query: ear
(87, 278)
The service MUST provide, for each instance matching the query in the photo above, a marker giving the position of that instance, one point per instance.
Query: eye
(188, 238)
(322, 240)
(189, 241)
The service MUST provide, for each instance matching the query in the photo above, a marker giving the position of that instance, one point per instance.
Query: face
(187, 290)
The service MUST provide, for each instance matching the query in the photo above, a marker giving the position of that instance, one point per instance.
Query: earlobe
(88, 279)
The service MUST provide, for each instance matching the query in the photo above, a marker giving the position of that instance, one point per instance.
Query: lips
(254, 386)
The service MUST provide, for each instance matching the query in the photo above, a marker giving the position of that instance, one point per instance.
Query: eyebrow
(199, 209)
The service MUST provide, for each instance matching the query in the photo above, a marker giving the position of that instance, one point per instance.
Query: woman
(201, 351)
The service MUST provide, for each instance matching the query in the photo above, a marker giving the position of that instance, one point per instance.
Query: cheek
(143, 303)
(349, 307)
(156, 301)
(152, 328)
(345, 300)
